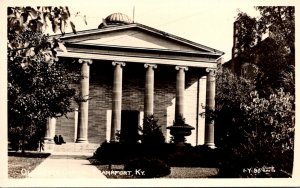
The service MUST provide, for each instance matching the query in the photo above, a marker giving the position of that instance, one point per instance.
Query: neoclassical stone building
(131, 70)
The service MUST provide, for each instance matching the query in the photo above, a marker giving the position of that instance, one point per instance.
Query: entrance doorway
(129, 126)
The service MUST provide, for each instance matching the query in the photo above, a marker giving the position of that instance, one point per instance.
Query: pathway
(66, 165)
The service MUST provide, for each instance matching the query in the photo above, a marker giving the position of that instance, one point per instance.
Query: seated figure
(56, 141)
(61, 139)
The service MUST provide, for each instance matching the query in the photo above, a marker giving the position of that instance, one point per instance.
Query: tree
(253, 132)
(151, 132)
(39, 84)
(231, 91)
(273, 55)
(254, 114)
(280, 21)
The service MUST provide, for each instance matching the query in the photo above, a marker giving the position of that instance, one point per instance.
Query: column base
(210, 145)
(81, 140)
(48, 147)
(49, 140)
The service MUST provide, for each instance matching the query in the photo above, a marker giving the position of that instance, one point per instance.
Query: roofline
(141, 26)
(166, 51)
(180, 39)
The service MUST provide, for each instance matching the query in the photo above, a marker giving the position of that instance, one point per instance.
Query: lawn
(192, 172)
(19, 165)
(176, 172)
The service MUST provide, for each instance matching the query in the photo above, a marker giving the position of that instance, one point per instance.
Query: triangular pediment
(136, 36)
(128, 39)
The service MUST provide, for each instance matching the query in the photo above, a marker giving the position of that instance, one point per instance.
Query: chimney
(234, 52)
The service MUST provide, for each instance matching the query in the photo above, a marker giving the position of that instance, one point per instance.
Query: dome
(115, 19)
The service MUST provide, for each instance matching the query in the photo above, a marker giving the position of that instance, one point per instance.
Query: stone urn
(179, 130)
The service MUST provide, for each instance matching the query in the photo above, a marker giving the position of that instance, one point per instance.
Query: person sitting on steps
(61, 139)
(56, 141)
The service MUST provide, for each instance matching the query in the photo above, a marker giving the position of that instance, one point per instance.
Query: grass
(176, 172)
(19, 165)
(192, 172)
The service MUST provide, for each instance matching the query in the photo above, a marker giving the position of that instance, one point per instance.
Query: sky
(207, 22)
(203, 22)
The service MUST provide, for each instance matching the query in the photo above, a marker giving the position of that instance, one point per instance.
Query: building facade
(130, 71)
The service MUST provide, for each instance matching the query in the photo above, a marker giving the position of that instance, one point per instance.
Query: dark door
(129, 126)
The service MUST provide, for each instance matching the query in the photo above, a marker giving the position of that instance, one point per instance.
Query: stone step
(76, 147)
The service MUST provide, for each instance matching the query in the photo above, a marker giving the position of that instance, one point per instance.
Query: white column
(50, 130)
(210, 103)
(180, 87)
(149, 90)
(82, 130)
(75, 123)
(116, 100)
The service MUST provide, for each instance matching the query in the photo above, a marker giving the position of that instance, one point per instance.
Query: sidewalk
(66, 165)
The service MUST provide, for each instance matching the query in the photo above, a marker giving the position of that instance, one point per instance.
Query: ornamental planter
(180, 131)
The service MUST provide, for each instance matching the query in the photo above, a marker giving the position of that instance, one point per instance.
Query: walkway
(66, 165)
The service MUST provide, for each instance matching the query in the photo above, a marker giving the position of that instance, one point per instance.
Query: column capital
(114, 63)
(146, 65)
(211, 71)
(181, 67)
(88, 61)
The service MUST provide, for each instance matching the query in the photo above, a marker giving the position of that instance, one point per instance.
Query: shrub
(149, 168)
(263, 137)
(120, 153)
(152, 134)
(117, 152)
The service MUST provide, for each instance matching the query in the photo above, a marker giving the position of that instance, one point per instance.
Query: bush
(153, 145)
(120, 153)
(152, 134)
(149, 168)
(262, 137)
(253, 132)
(117, 152)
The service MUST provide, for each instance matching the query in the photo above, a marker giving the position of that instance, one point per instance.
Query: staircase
(76, 148)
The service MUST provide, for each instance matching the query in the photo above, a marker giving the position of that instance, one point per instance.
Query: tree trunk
(23, 139)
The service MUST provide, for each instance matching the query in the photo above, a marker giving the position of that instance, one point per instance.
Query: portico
(137, 68)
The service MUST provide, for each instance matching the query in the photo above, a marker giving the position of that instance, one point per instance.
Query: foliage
(152, 168)
(152, 145)
(38, 84)
(117, 152)
(253, 132)
(254, 114)
(269, 126)
(179, 121)
(122, 153)
(151, 132)
(281, 22)
(262, 136)
(288, 80)
(274, 54)
(231, 91)
(248, 35)
(38, 19)
(28, 139)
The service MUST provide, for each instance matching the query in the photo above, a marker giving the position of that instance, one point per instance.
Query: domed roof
(115, 19)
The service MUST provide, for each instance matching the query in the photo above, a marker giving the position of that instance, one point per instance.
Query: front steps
(72, 148)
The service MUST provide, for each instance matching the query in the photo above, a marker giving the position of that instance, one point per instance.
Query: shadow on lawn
(29, 154)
